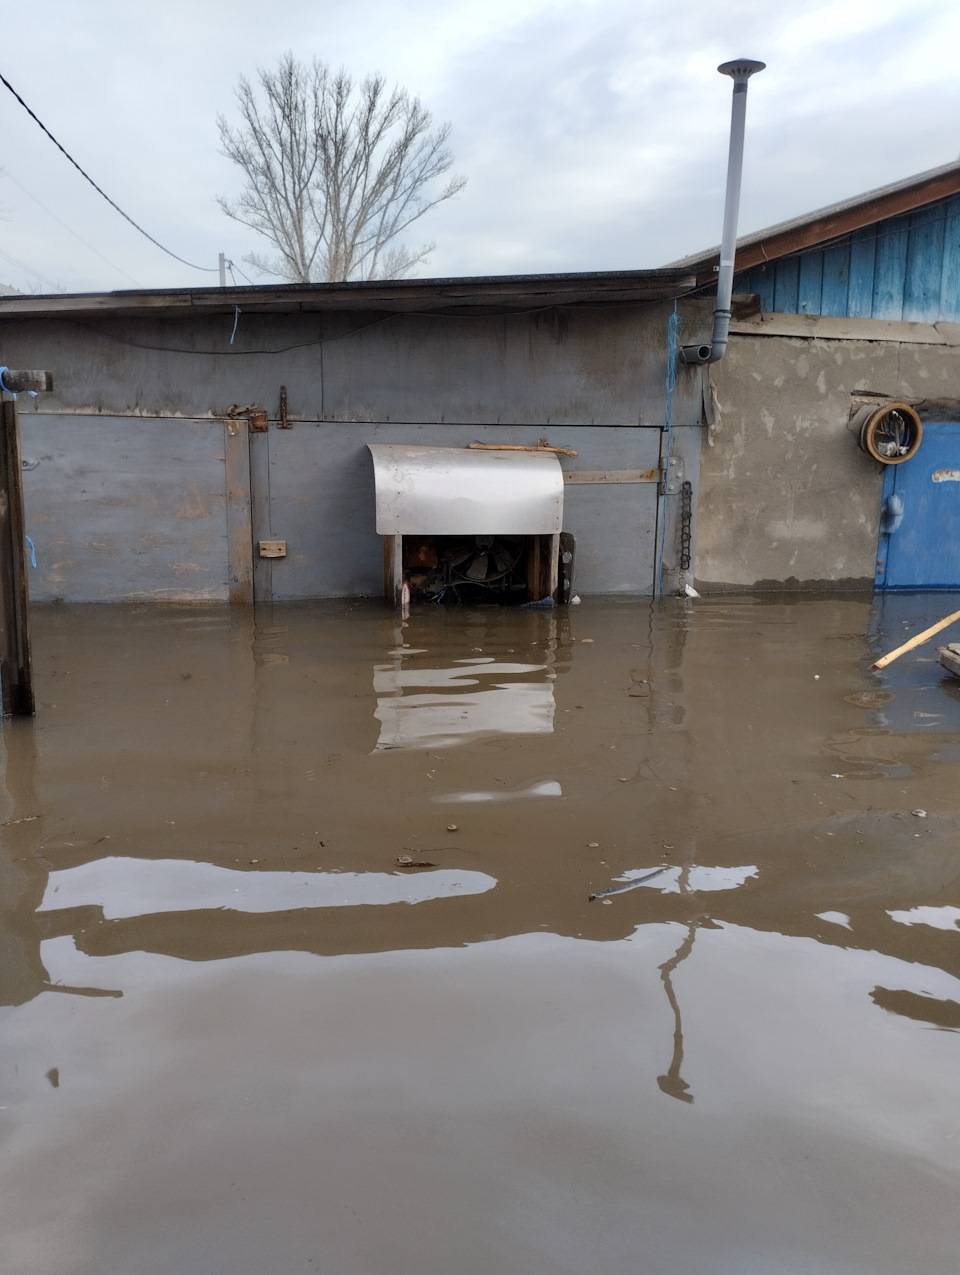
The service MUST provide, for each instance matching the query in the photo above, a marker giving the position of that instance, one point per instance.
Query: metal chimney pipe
(740, 72)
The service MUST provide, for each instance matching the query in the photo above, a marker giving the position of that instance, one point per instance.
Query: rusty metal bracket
(259, 424)
(284, 421)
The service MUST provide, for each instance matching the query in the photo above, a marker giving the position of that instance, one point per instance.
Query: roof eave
(833, 222)
(491, 293)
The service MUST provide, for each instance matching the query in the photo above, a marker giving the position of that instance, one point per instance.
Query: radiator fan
(484, 560)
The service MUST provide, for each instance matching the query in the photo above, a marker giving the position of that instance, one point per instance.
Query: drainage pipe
(740, 72)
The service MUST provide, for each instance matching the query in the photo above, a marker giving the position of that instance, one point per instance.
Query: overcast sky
(592, 132)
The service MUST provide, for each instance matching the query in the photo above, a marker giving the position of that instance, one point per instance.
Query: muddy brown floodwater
(240, 1037)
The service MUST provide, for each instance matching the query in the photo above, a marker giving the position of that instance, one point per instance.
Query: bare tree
(334, 172)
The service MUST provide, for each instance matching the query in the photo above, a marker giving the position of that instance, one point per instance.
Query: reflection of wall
(707, 735)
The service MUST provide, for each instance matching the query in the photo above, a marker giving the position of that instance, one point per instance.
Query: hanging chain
(686, 515)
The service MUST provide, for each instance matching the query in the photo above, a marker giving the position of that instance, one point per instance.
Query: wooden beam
(18, 381)
(16, 674)
(236, 454)
(833, 225)
(916, 641)
(393, 570)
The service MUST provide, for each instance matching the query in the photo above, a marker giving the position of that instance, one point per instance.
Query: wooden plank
(810, 283)
(916, 641)
(518, 447)
(552, 560)
(786, 285)
(236, 450)
(836, 280)
(611, 475)
(842, 221)
(863, 256)
(16, 674)
(534, 581)
(890, 269)
(950, 265)
(761, 284)
(393, 570)
(832, 328)
(19, 381)
(921, 289)
(261, 512)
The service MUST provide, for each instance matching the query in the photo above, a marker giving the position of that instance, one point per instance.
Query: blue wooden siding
(906, 267)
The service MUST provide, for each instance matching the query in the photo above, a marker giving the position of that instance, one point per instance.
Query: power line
(50, 213)
(232, 265)
(126, 216)
(22, 265)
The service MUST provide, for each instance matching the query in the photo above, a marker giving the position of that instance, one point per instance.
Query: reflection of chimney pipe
(739, 71)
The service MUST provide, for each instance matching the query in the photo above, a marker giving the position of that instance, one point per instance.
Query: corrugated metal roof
(828, 223)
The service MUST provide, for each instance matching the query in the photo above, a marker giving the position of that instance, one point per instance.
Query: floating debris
(629, 885)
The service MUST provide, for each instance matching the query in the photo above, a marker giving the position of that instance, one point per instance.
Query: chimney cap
(741, 68)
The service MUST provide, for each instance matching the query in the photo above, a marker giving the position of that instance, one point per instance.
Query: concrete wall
(126, 481)
(786, 495)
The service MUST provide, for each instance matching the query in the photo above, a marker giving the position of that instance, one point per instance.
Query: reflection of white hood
(445, 714)
(132, 887)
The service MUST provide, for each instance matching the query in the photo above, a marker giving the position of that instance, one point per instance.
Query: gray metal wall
(128, 485)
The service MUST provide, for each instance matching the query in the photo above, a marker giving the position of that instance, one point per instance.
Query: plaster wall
(787, 499)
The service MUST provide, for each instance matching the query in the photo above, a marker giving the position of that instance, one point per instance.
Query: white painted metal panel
(449, 491)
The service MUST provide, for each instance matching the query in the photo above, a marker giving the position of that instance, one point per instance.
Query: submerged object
(949, 657)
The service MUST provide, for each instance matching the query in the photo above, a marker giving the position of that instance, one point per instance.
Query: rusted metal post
(16, 674)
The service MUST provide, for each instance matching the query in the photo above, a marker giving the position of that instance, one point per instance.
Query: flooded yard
(301, 970)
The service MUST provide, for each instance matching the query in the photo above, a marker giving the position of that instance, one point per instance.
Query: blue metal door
(919, 544)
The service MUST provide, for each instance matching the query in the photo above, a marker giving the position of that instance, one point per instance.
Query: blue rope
(6, 388)
(33, 552)
(673, 328)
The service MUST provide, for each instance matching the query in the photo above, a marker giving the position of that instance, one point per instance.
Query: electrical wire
(22, 265)
(323, 340)
(285, 349)
(231, 266)
(30, 195)
(156, 242)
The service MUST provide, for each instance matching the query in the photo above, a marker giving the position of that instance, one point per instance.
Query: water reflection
(695, 878)
(449, 711)
(132, 887)
(544, 788)
(940, 918)
(671, 1082)
(801, 917)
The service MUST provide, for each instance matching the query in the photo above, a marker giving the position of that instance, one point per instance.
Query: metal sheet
(449, 491)
(923, 550)
(322, 497)
(122, 508)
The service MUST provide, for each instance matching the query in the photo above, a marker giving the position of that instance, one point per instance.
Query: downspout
(740, 72)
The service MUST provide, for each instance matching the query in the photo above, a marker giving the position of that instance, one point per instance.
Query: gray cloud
(593, 133)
